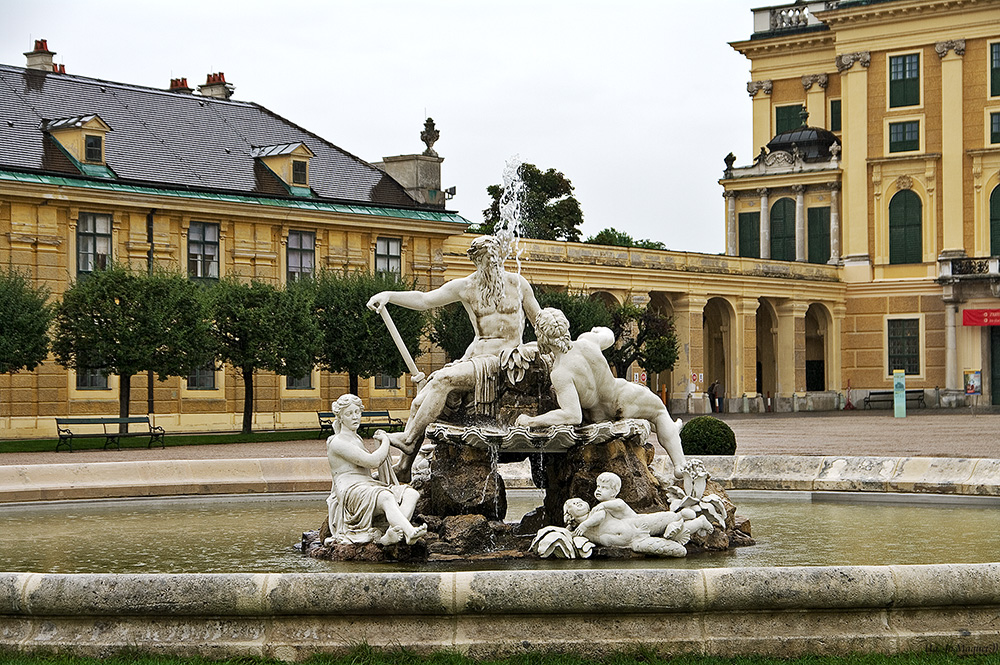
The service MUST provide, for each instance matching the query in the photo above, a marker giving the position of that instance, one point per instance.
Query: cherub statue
(356, 497)
(613, 523)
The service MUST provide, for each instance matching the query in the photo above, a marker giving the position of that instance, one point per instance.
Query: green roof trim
(307, 204)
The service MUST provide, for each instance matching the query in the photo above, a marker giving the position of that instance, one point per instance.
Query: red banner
(981, 317)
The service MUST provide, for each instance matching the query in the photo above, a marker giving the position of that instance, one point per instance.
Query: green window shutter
(995, 222)
(835, 115)
(994, 127)
(904, 136)
(787, 118)
(904, 80)
(904, 345)
(750, 234)
(819, 235)
(995, 69)
(783, 230)
(905, 236)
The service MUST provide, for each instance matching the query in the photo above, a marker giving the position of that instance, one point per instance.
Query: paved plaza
(923, 433)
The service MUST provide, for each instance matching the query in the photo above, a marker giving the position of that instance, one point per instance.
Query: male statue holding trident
(497, 302)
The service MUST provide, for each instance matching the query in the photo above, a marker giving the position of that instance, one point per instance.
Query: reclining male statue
(585, 387)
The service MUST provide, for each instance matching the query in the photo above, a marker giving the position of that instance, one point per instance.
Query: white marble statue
(497, 302)
(357, 498)
(585, 387)
(613, 523)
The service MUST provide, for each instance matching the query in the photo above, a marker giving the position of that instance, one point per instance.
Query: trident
(415, 374)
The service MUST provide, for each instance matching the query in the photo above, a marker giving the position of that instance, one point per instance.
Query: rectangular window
(203, 250)
(202, 378)
(904, 80)
(834, 115)
(388, 255)
(819, 234)
(386, 382)
(904, 345)
(301, 254)
(994, 127)
(904, 136)
(93, 242)
(299, 382)
(787, 118)
(300, 172)
(92, 149)
(750, 234)
(91, 379)
(995, 70)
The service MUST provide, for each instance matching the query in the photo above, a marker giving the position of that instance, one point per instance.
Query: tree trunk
(124, 394)
(352, 383)
(247, 400)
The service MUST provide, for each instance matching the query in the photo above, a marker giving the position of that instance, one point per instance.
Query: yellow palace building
(863, 236)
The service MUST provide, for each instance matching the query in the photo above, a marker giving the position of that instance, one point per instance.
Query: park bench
(369, 420)
(111, 436)
(879, 396)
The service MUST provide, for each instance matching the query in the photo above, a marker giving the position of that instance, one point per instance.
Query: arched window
(995, 222)
(905, 240)
(783, 230)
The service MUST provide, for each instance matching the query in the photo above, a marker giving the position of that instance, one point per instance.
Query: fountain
(556, 397)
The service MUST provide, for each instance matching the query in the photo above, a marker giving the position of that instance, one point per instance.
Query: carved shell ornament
(904, 182)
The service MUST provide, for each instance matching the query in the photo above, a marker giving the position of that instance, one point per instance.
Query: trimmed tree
(354, 338)
(123, 322)
(257, 326)
(25, 318)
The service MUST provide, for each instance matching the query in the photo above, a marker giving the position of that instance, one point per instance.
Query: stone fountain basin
(554, 439)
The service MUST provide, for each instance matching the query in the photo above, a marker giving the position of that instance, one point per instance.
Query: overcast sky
(635, 102)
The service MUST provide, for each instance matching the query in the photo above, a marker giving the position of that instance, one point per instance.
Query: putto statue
(357, 499)
(497, 302)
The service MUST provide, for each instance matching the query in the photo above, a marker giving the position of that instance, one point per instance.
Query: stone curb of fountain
(787, 611)
(95, 480)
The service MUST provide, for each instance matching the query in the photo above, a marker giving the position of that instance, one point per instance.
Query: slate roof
(174, 140)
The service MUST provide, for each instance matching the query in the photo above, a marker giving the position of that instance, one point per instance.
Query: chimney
(58, 69)
(41, 57)
(180, 85)
(216, 87)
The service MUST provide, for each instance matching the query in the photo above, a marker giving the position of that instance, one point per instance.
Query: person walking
(713, 396)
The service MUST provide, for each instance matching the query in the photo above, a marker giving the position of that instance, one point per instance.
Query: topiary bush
(706, 435)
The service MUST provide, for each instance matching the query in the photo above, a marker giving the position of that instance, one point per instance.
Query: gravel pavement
(923, 433)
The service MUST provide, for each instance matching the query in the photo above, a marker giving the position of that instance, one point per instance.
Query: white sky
(635, 101)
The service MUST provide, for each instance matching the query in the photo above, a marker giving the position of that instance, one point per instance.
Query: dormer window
(81, 138)
(93, 148)
(300, 172)
(290, 163)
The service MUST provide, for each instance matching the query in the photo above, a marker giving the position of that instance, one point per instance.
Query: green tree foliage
(706, 435)
(451, 329)
(643, 335)
(25, 318)
(123, 322)
(615, 238)
(549, 211)
(582, 311)
(354, 338)
(260, 327)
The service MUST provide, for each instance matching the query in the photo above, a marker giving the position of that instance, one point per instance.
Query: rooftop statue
(497, 302)
(585, 388)
(356, 498)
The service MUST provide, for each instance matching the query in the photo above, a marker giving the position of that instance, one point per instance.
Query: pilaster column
(951, 379)
(952, 153)
(800, 222)
(765, 224)
(746, 338)
(760, 92)
(834, 223)
(790, 348)
(732, 246)
(815, 87)
(689, 326)
(853, 68)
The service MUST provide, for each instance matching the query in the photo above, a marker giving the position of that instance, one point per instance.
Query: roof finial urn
(429, 136)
